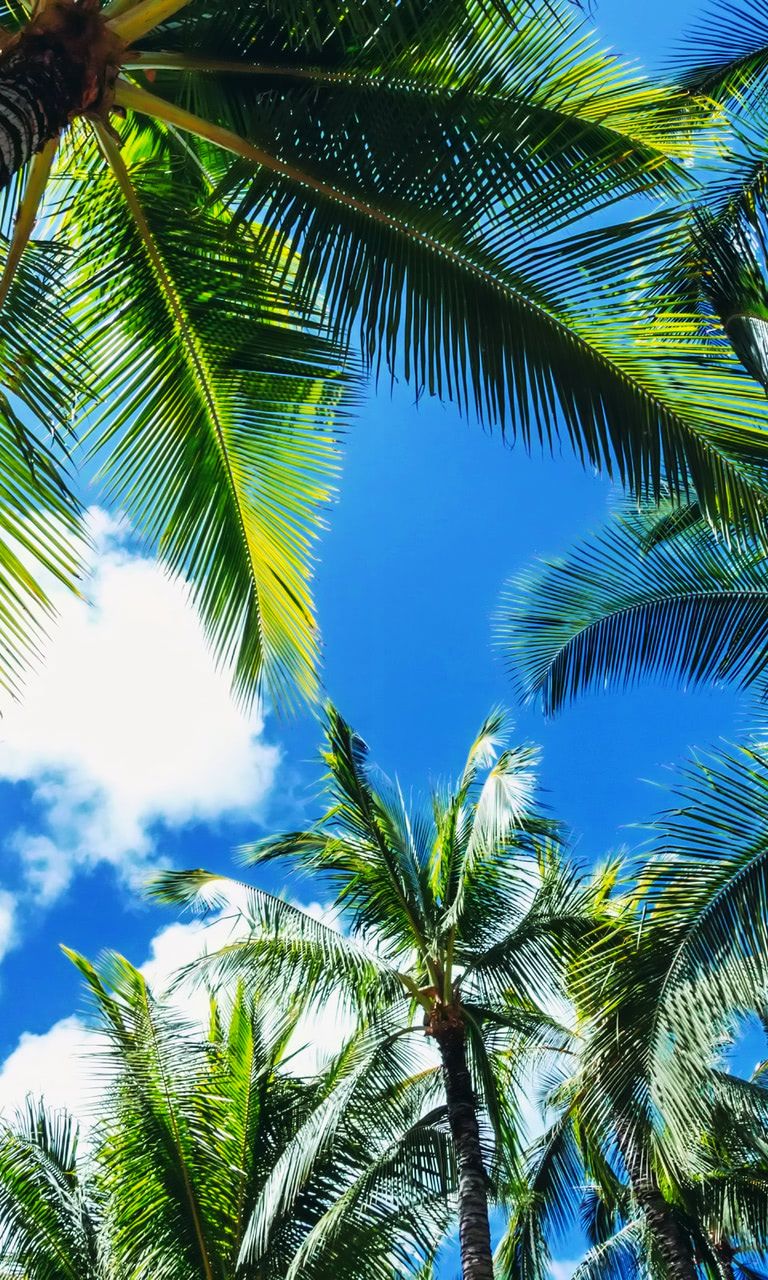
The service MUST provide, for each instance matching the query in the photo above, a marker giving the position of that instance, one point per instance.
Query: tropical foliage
(624, 990)
(242, 209)
(214, 1153)
(453, 922)
(658, 592)
(655, 1139)
(292, 183)
(178, 1174)
(654, 594)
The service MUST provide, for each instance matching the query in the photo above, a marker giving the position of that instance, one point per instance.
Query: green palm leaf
(638, 600)
(220, 343)
(48, 1230)
(727, 55)
(205, 444)
(196, 1135)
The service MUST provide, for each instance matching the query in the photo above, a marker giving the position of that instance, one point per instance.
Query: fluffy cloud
(127, 724)
(8, 913)
(56, 1065)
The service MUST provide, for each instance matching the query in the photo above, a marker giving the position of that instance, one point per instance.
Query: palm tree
(288, 177)
(671, 1136)
(49, 1223)
(654, 595)
(641, 1217)
(653, 1136)
(452, 922)
(191, 1128)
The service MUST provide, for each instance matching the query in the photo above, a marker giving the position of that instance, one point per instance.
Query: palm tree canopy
(297, 176)
(180, 1167)
(651, 595)
(462, 910)
(50, 1226)
(576, 1172)
(675, 966)
(650, 1100)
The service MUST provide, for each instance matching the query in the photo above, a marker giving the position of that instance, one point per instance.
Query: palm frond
(547, 1207)
(275, 942)
(624, 605)
(726, 54)
(218, 436)
(443, 277)
(47, 1231)
(619, 1258)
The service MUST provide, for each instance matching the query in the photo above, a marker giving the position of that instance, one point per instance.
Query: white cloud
(8, 913)
(127, 724)
(563, 1269)
(56, 1065)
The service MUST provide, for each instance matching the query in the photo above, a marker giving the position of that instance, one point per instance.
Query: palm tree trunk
(62, 63)
(725, 1254)
(474, 1229)
(670, 1238)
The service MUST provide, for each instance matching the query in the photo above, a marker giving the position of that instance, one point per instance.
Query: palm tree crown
(290, 177)
(178, 1171)
(458, 916)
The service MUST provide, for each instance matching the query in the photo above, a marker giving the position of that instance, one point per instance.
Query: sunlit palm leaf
(435, 261)
(217, 434)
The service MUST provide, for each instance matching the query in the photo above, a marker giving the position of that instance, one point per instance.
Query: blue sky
(433, 517)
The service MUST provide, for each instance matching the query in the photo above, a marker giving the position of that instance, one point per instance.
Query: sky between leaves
(128, 752)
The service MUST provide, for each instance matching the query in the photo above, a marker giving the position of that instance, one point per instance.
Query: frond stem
(37, 179)
(194, 355)
(130, 24)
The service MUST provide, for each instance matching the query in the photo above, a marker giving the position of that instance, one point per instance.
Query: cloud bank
(127, 725)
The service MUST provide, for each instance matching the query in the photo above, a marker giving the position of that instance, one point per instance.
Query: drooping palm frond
(471, 307)
(547, 1204)
(217, 434)
(276, 942)
(367, 1076)
(436, 242)
(726, 56)
(684, 961)
(622, 1256)
(561, 129)
(707, 880)
(633, 602)
(42, 373)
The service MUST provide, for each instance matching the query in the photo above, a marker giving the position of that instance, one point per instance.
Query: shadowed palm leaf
(651, 595)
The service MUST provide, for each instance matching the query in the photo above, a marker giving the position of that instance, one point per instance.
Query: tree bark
(725, 1254)
(671, 1239)
(474, 1229)
(61, 64)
